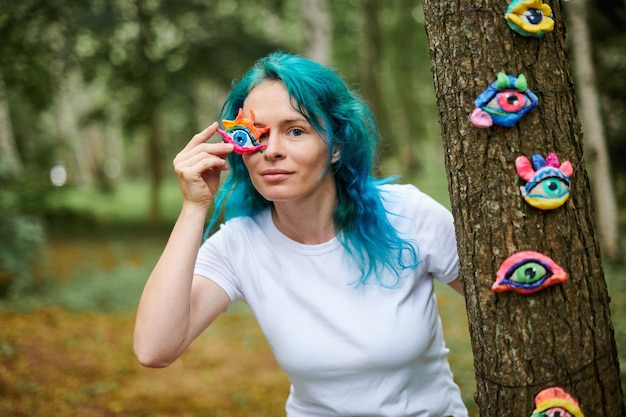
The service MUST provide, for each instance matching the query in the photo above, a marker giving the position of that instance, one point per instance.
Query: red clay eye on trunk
(511, 101)
(527, 272)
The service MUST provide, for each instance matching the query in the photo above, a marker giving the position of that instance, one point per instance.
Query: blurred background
(96, 99)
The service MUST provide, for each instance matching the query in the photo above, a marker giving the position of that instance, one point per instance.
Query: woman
(336, 266)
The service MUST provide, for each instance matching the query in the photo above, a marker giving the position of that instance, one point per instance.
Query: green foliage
(21, 250)
(126, 203)
(117, 289)
(106, 273)
(23, 235)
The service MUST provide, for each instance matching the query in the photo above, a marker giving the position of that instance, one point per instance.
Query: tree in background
(79, 75)
(148, 58)
(607, 23)
(593, 127)
(562, 335)
(10, 162)
(317, 29)
(156, 54)
(380, 47)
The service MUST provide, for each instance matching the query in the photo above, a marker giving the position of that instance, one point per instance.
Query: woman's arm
(175, 306)
(457, 285)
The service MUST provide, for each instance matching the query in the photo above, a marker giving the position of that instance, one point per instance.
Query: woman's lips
(274, 175)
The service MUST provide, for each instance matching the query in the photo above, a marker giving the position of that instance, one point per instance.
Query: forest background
(97, 97)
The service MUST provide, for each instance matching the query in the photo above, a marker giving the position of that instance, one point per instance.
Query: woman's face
(294, 165)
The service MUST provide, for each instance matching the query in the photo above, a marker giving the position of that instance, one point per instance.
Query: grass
(60, 363)
(68, 350)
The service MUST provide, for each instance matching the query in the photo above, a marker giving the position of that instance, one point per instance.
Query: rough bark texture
(561, 336)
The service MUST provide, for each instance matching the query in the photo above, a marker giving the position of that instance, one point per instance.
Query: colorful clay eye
(529, 17)
(556, 412)
(504, 102)
(548, 185)
(532, 16)
(555, 402)
(242, 133)
(528, 272)
(550, 188)
(243, 137)
(511, 101)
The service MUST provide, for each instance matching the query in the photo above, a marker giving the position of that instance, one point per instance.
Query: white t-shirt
(348, 350)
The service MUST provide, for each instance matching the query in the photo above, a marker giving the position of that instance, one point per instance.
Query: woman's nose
(274, 148)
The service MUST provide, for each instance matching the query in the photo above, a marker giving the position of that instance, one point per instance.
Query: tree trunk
(71, 104)
(318, 30)
(561, 336)
(593, 127)
(408, 121)
(150, 99)
(371, 65)
(10, 162)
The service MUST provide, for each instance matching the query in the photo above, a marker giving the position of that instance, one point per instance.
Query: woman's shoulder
(246, 224)
(397, 189)
(403, 194)
(407, 198)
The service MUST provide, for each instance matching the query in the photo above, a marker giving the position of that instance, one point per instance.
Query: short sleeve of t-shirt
(222, 258)
(419, 217)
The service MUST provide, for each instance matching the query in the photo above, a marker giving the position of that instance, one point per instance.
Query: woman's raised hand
(199, 165)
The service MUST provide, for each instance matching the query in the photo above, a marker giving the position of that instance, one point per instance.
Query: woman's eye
(264, 137)
(297, 132)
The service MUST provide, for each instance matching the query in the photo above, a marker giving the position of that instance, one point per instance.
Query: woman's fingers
(213, 153)
(201, 137)
(199, 164)
(194, 164)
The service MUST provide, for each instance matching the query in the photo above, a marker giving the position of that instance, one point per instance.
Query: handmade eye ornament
(555, 402)
(529, 17)
(527, 272)
(242, 133)
(504, 102)
(548, 183)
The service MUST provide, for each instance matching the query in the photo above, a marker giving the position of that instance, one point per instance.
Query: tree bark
(593, 127)
(562, 335)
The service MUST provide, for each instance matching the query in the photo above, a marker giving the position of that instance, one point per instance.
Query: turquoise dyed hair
(345, 122)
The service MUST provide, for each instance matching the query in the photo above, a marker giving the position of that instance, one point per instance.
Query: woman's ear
(335, 155)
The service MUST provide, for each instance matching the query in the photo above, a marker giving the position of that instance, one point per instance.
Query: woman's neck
(309, 222)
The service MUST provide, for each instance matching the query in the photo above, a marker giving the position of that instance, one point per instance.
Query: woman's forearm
(163, 317)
